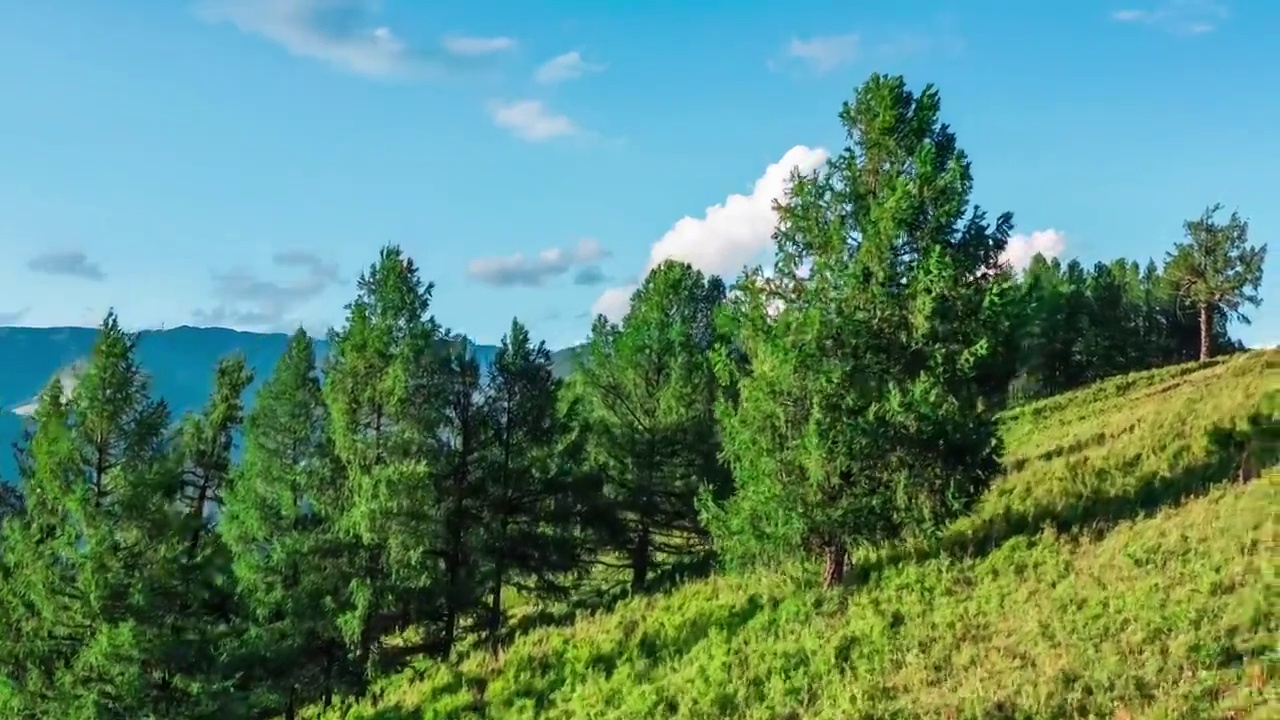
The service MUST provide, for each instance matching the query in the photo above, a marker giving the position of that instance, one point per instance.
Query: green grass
(1119, 570)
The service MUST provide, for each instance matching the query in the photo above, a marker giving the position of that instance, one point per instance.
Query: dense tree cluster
(394, 501)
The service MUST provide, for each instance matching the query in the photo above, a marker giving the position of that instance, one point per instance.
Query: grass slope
(1120, 570)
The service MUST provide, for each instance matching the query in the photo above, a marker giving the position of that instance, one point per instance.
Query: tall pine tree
(385, 388)
(865, 411)
(280, 524)
(652, 392)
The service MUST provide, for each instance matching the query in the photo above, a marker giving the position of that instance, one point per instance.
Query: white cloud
(1180, 17)
(519, 269)
(532, 120)
(334, 31)
(728, 235)
(825, 53)
(477, 46)
(1022, 247)
(569, 66)
(614, 302)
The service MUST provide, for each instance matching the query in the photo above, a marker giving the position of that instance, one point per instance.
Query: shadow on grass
(604, 598)
(1235, 454)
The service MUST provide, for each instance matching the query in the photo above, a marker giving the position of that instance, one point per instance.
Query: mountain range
(180, 361)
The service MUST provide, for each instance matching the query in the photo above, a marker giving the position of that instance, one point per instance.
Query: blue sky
(238, 162)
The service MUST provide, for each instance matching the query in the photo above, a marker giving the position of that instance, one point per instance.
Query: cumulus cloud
(339, 32)
(519, 269)
(728, 235)
(247, 300)
(1181, 17)
(569, 66)
(532, 120)
(466, 46)
(1023, 247)
(824, 53)
(70, 263)
(12, 317)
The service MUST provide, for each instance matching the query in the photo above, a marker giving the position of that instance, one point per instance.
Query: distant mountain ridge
(180, 360)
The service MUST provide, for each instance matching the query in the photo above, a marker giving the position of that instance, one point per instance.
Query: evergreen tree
(199, 609)
(384, 387)
(93, 557)
(280, 525)
(651, 393)
(531, 494)
(863, 414)
(1216, 271)
(458, 490)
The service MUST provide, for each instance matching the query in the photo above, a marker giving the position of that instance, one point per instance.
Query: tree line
(397, 500)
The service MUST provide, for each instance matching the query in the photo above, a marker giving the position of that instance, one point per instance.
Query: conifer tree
(200, 608)
(94, 556)
(531, 496)
(458, 490)
(384, 387)
(279, 524)
(1216, 271)
(651, 393)
(864, 413)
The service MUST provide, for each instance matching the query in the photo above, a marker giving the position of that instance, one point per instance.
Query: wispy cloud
(532, 120)
(11, 317)
(467, 46)
(247, 300)
(821, 54)
(518, 269)
(342, 33)
(561, 68)
(69, 263)
(590, 275)
(824, 53)
(1180, 17)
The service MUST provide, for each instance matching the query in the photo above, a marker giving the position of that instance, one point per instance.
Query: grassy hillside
(1121, 569)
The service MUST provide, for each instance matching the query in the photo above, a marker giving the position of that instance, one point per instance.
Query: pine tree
(651, 393)
(384, 387)
(458, 490)
(864, 414)
(532, 491)
(1215, 271)
(279, 524)
(93, 557)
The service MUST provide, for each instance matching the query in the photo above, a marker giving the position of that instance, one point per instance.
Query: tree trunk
(495, 610)
(291, 708)
(833, 573)
(329, 652)
(1204, 331)
(640, 553)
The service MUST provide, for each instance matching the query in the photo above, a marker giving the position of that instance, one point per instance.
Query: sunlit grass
(1121, 569)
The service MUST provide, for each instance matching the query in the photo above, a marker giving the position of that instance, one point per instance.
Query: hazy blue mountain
(180, 360)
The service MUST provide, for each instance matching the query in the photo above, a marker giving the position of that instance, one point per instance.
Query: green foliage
(1115, 571)
(874, 347)
(411, 527)
(532, 497)
(384, 389)
(280, 525)
(650, 392)
(86, 565)
(1216, 270)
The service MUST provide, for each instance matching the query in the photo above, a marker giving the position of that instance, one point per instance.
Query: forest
(399, 504)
